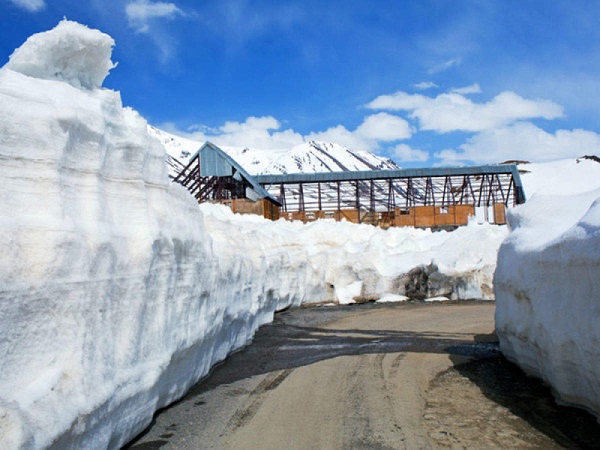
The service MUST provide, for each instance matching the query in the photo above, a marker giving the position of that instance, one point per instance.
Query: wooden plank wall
(418, 216)
(262, 207)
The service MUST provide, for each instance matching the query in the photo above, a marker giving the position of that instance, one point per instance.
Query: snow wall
(547, 287)
(117, 293)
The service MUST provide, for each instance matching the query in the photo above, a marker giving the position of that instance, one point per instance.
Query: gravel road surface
(390, 376)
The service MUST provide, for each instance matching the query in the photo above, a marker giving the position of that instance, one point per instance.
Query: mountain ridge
(308, 157)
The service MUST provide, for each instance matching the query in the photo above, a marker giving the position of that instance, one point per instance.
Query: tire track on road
(255, 400)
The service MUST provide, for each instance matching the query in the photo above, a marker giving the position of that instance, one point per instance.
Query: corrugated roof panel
(212, 164)
(387, 174)
(215, 162)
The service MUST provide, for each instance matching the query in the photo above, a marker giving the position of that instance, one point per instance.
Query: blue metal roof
(214, 162)
(394, 174)
(387, 174)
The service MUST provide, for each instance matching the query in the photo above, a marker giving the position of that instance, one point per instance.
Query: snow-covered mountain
(313, 156)
(308, 157)
(178, 149)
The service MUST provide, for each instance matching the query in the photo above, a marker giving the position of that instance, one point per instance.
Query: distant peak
(591, 158)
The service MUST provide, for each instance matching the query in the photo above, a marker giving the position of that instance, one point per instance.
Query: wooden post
(319, 189)
(372, 194)
(300, 197)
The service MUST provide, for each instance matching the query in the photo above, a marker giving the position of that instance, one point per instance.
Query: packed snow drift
(560, 178)
(78, 56)
(547, 282)
(118, 293)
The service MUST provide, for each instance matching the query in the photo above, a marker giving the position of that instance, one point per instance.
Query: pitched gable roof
(214, 162)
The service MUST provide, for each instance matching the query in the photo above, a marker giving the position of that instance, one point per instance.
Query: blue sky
(424, 82)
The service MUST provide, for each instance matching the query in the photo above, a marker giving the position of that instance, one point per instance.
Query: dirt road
(374, 377)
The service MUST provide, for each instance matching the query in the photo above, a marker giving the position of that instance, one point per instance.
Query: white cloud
(264, 133)
(341, 135)
(404, 153)
(399, 101)
(384, 127)
(523, 141)
(167, 47)
(374, 129)
(239, 21)
(255, 132)
(140, 12)
(425, 85)
(30, 5)
(472, 89)
(454, 112)
(444, 66)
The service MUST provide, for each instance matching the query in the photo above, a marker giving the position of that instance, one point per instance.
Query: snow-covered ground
(118, 293)
(562, 177)
(547, 282)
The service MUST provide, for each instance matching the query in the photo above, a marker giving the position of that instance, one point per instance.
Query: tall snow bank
(352, 263)
(117, 293)
(103, 261)
(112, 300)
(562, 177)
(70, 52)
(547, 287)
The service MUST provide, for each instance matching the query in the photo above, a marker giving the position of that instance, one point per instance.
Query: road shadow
(529, 398)
(292, 341)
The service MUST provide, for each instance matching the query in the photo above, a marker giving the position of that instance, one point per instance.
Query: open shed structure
(433, 197)
(213, 176)
(428, 198)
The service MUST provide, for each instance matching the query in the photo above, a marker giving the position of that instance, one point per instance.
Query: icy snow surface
(547, 282)
(118, 293)
(352, 262)
(70, 52)
(562, 177)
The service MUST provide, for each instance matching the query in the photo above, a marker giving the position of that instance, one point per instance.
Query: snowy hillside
(178, 149)
(312, 157)
(309, 157)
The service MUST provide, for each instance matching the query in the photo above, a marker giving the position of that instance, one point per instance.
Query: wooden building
(425, 198)
(213, 176)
